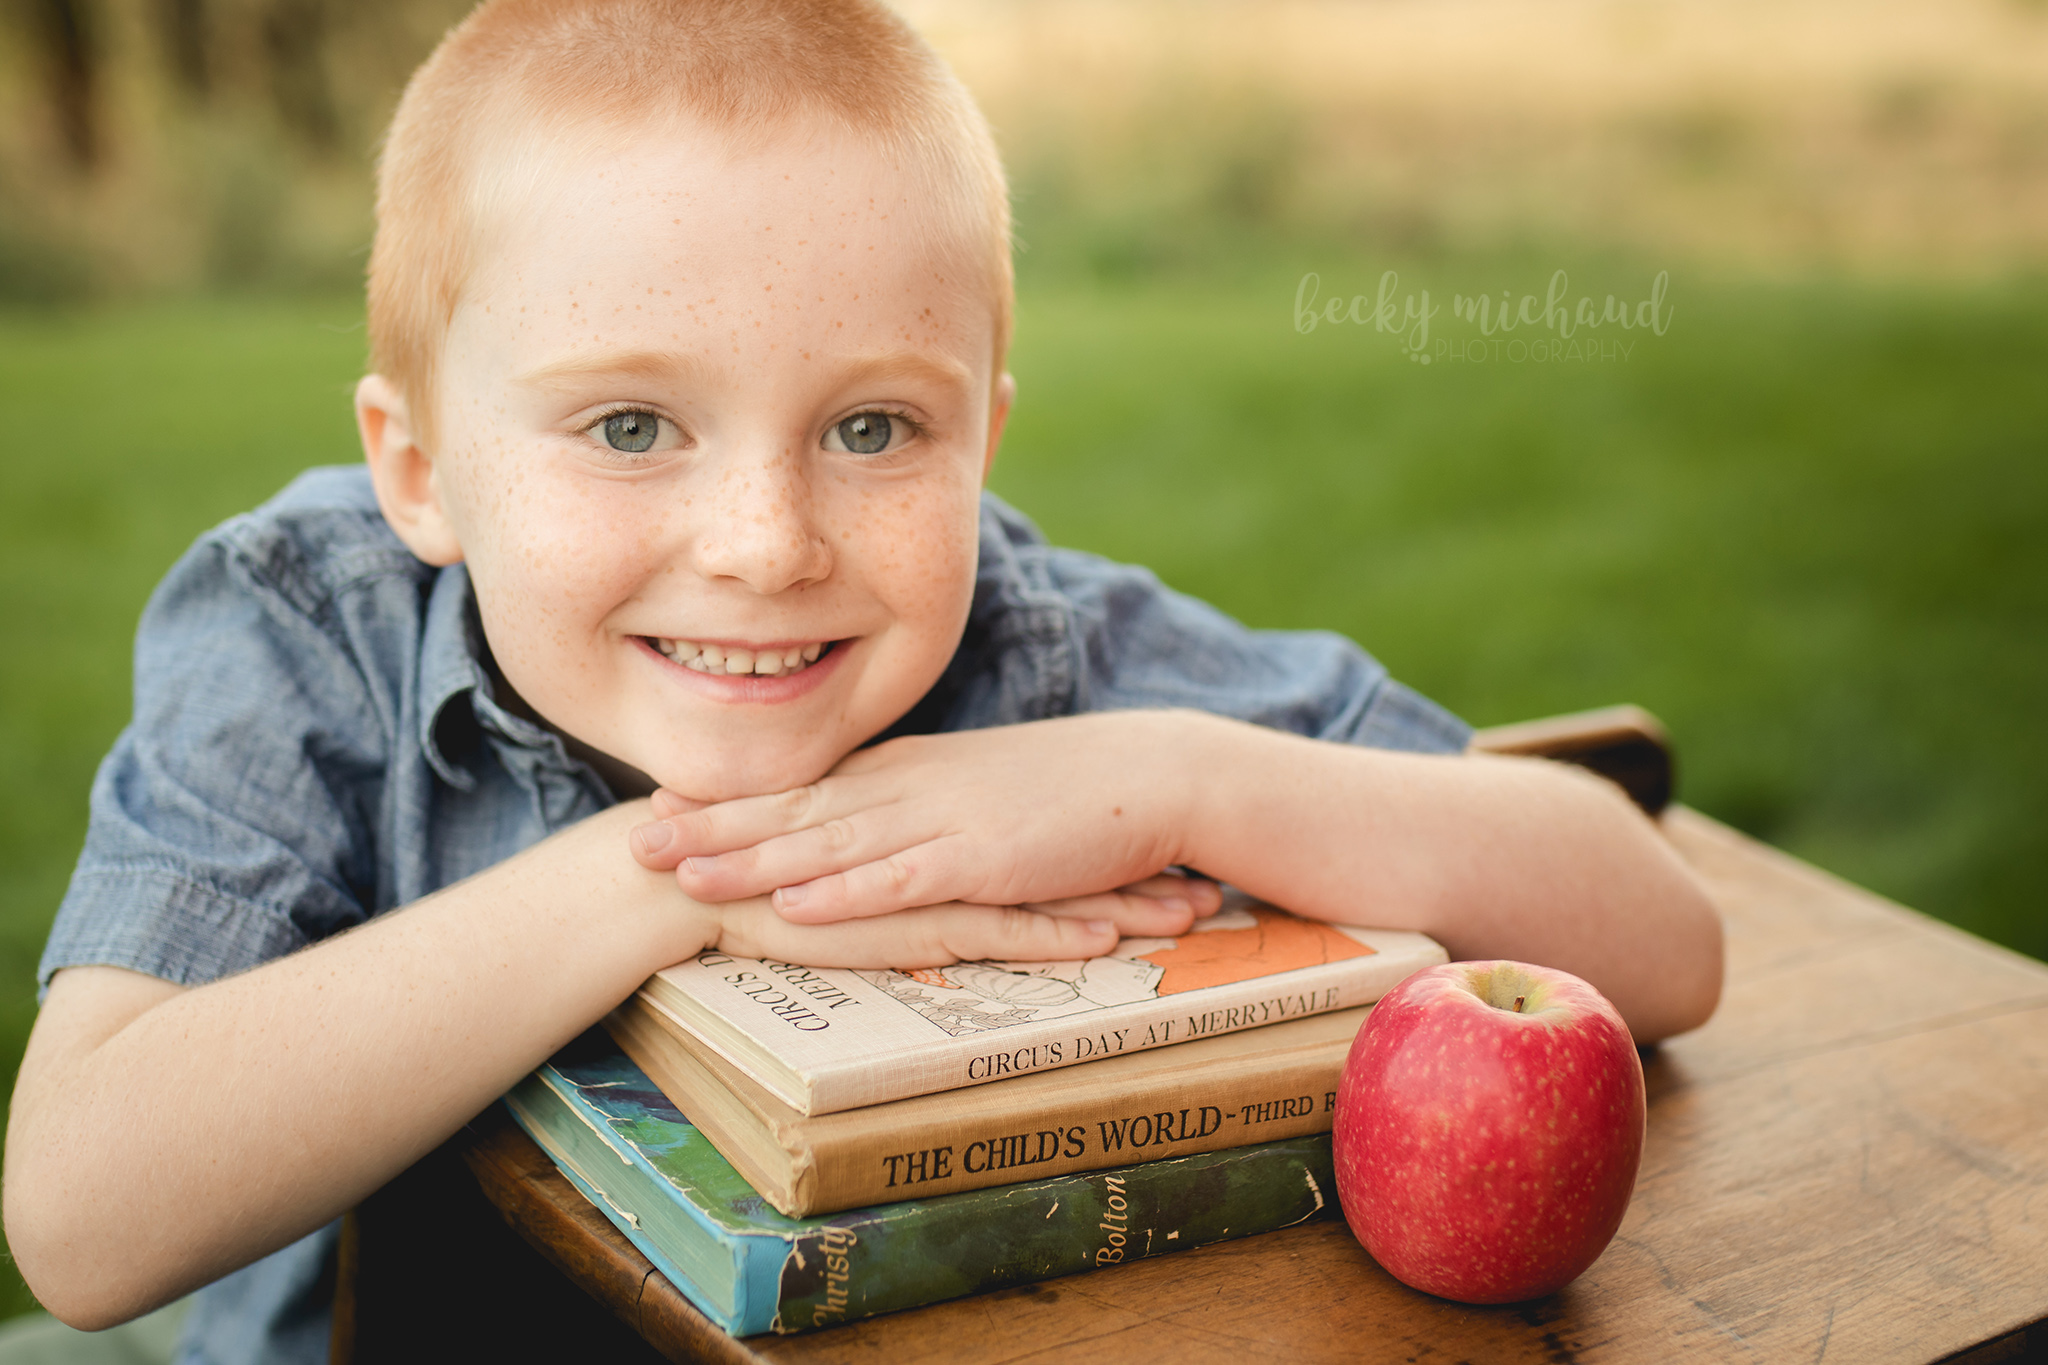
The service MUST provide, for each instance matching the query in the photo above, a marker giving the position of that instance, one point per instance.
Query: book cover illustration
(1242, 941)
(829, 1039)
(752, 1269)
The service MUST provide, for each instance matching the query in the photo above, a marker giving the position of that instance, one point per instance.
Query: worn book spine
(751, 1269)
(878, 1260)
(1271, 1083)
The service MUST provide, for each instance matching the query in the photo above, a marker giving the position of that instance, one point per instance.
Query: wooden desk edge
(554, 1218)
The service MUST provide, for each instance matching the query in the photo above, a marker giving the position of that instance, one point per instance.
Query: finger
(1199, 894)
(753, 845)
(929, 873)
(655, 844)
(884, 860)
(1135, 916)
(667, 803)
(723, 826)
(929, 936)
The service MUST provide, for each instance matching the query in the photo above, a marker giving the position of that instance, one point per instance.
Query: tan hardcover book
(1275, 1082)
(823, 1040)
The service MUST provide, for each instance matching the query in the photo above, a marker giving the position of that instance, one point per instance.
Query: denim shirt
(316, 741)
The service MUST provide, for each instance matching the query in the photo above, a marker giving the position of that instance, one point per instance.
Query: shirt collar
(452, 653)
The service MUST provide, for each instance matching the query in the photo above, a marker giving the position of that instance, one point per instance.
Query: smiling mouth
(735, 661)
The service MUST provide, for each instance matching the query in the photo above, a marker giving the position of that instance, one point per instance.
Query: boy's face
(711, 431)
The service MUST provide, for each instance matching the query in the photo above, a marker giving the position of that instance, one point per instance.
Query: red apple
(1488, 1127)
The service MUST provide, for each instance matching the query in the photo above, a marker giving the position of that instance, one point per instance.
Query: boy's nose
(760, 526)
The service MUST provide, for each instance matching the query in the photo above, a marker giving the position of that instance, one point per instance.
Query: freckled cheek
(560, 548)
(914, 548)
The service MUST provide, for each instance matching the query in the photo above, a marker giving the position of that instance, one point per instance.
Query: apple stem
(1518, 1003)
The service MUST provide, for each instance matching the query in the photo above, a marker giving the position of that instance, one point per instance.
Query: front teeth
(733, 662)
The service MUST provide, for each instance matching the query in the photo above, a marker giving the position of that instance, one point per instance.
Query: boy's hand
(1075, 818)
(928, 936)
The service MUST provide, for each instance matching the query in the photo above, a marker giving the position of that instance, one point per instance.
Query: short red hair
(518, 77)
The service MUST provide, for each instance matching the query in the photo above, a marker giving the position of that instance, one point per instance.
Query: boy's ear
(1000, 403)
(407, 491)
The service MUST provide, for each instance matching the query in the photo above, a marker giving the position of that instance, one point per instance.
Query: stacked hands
(933, 848)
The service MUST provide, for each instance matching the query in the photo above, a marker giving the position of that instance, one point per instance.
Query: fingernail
(790, 895)
(1101, 926)
(653, 837)
(702, 865)
(1177, 903)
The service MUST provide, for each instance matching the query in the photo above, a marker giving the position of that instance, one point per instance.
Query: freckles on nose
(764, 512)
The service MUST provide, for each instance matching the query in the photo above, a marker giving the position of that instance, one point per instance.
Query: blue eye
(632, 432)
(866, 433)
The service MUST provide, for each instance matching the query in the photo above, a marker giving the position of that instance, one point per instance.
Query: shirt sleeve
(1062, 631)
(1142, 644)
(231, 823)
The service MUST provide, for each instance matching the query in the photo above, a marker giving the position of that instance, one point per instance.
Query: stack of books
(862, 1141)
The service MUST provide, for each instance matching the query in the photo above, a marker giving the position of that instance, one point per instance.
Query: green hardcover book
(751, 1269)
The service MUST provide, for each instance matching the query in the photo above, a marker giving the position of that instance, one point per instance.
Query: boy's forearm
(219, 1123)
(1495, 857)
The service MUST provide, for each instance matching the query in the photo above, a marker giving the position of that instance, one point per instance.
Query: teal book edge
(751, 1269)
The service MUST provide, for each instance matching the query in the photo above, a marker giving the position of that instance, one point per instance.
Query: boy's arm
(161, 1137)
(1495, 857)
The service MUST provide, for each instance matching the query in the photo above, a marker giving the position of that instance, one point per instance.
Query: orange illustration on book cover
(1277, 942)
(1242, 942)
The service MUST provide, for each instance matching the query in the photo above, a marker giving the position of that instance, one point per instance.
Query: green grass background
(1808, 526)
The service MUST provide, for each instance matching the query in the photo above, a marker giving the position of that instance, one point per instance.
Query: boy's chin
(700, 782)
(638, 774)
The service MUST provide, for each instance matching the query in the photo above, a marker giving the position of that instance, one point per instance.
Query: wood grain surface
(1849, 1163)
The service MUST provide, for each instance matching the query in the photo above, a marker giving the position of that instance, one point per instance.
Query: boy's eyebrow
(649, 365)
(943, 370)
(939, 369)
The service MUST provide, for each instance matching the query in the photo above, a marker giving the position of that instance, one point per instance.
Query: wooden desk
(1849, 1163)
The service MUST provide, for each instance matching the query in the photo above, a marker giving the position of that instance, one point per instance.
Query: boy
(687, 323)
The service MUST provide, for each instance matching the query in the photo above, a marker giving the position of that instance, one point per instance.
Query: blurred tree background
(238, 131)
(1807, 522)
